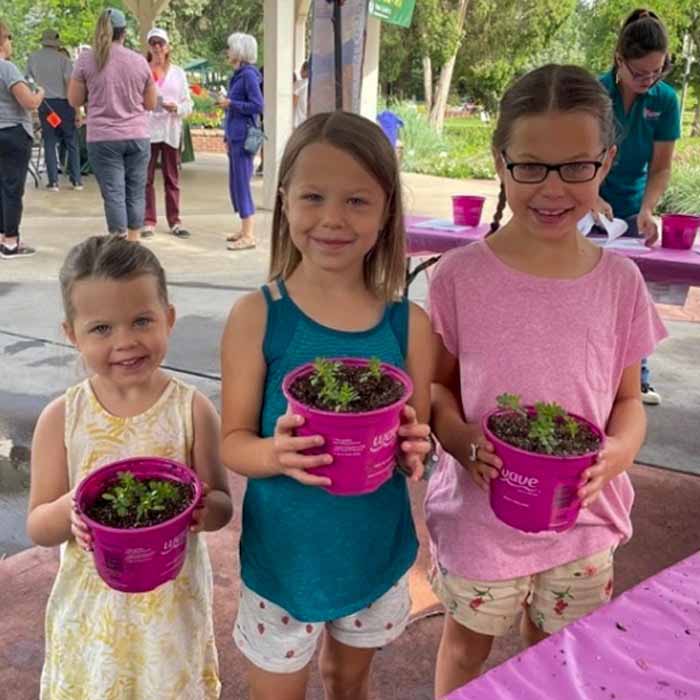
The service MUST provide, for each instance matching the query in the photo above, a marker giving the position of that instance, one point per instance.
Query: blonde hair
(4, 31)
(363, 140)
(105, 34)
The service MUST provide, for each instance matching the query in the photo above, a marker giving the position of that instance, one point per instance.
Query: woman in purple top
(244, 105)
(117, 85)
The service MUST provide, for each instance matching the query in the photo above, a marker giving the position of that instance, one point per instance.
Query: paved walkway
(205, 280)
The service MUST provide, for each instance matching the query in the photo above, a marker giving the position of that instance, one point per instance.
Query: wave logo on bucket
(175, 542)
(526, 484)
(383, 440)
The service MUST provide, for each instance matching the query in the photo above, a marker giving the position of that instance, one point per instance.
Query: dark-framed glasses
(156, 42)
(534, 173)
(654, 76)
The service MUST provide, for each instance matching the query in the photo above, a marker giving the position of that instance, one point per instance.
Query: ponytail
(105, 34)
(496, 223)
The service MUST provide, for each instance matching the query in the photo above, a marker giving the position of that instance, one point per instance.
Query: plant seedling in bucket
(544, 450)
(138, 512)
(355, 404)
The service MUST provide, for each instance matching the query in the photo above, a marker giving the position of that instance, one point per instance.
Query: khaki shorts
(552, 598)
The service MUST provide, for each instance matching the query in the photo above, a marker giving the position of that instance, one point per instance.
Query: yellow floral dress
(102, 644)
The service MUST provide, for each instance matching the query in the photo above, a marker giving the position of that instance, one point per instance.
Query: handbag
(254, 137)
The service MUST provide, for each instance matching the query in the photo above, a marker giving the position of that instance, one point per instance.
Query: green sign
(394, 11)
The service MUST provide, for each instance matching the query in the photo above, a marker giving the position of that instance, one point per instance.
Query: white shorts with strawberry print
(551, 598)
(271, 639)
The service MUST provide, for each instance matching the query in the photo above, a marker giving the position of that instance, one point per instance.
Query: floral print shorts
(552, 598)
(271, 639)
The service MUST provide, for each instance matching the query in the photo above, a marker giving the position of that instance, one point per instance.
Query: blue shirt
(320, 556)
(246, 102)
(653, 116)
(390, 123)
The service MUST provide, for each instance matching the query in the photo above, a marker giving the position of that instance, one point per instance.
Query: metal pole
(338, 52)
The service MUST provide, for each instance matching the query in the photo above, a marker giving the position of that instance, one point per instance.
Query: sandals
(234, 237)
(180, 232)
(242, 244)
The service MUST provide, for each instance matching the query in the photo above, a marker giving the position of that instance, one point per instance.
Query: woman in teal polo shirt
(648, 117)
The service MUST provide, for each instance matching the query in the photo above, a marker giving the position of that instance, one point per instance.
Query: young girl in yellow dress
(101, 643)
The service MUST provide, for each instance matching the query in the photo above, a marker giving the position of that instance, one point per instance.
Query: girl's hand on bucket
(612, 460)
(79, 529)
(287, 448)
(415, 444)
(483, 464)
(199, 514)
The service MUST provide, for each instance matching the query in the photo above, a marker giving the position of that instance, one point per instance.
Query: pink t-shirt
(563, 340)
(115, 110)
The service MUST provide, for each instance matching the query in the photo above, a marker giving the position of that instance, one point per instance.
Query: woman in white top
(174, 104)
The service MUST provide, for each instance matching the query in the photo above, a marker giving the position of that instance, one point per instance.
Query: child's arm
(454, 432)
(420, 356)
(50, 497)
(243, 372)
(217, 508)
(625, 434)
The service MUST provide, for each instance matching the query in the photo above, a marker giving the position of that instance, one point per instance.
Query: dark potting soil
(372, 392)
(513, 428)
(102, 511)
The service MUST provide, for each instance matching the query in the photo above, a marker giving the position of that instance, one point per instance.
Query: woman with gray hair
(244, 105)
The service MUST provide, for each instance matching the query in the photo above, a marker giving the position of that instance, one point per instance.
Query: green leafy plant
(145, 497)
(511, 402)
(333, 392)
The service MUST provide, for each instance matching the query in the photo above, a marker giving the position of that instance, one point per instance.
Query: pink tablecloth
(645, 645)
(658, 265)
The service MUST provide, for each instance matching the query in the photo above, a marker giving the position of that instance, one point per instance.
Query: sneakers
(52, 187)
(649, 396)
(180, 232)
(147, 232)
(19, 251)
(77, 187)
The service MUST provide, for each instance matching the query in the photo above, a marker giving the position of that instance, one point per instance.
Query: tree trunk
(442, 91)
(695, 129)
(428, 83)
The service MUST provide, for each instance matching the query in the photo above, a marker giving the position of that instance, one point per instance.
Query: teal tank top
(320, 556)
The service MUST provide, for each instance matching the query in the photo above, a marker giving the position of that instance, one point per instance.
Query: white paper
(441, 225)
(614, 228)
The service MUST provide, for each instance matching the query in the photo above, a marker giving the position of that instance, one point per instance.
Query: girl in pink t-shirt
(536, 310)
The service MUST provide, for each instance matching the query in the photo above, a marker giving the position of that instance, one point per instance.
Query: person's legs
(50, 142)
(70, 138)
(171, 184)
(15, 152)
(151, 216)
(351, 641)
(649, 395)
(240, 174)
(476, 612)
(107, 162)
(345, 670)
(138, 152)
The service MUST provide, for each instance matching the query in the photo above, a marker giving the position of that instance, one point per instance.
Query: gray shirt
(11, 112)
(51, 70)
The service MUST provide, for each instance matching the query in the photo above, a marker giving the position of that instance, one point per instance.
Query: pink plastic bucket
(533, 491)
(466, 210)
(678, 230)
(140, 559)
(363, 445)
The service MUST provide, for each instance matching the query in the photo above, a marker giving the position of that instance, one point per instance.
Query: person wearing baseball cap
(117, 84)
(165, 126)
(51, 69)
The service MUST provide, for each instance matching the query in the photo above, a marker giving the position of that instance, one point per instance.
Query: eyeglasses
(156, 42)
(534, 173)
(655, 75)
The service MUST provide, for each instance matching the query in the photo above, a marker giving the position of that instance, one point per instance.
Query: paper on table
(614, 228)
(442, 225)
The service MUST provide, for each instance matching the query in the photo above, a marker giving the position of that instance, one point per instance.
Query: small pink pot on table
(678, 231)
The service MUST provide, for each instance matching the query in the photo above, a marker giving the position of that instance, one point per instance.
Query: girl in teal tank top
(310, 559)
